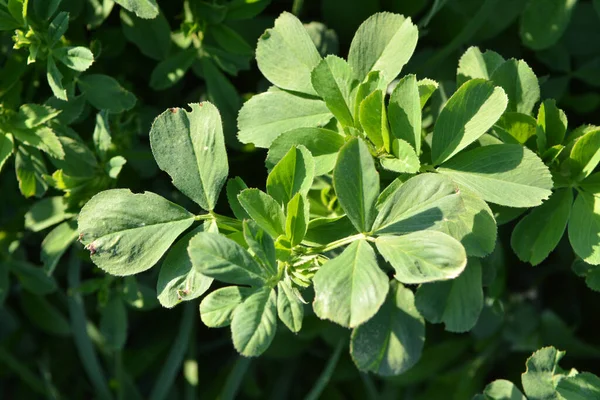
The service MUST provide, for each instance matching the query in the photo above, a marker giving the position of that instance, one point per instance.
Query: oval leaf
(128, 233)
(190, 147)
(391, 342)
(421, 257)
(350, 288)
(469, 113)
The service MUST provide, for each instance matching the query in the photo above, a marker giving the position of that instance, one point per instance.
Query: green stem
(337, 243)
(83, 343)
(234, 380)
(297, 7)
(464, 36)
(173, 364)
(323, 380)
(32, 381)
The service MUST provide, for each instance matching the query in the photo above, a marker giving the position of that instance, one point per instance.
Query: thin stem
(323, 380)
(234, 380)
(337, 243)
(32, 381)
(174, 360)
(83, 343)
(468, 31)
(297, 7)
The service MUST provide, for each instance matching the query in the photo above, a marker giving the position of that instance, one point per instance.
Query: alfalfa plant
(331, 227)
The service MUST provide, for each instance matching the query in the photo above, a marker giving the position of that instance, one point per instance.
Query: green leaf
(245, 9)
(151, 36)
(374, 81)
(505, 174)
(147, 9)
(334, 81)
(234, 188)
(6, 148)
(356, 184)
(216, 309)
(296, 223)
(551, 124)
(584, 156)
(536, 235)
(468, 114)
(42, 138)
(222, 93)
(392, 341)
(105, 93)
(543, 22)
(503, 390)
(254, 323)
(538, 382)
(33, 115)
(45, 316)
(426, 89)
(323, 144)
(218, 257)
(113, 324)
(404, 159)
(286, 55)
(30, 169)
(325, 230)
(79, 161)
(421, 257)
(56, 243)
(373, 119)
(268, 115)
(582, 386)
(128, 233)
(172, 69)
(54, 78)
(404, 111)
(456, 303)
(474, 64)
(261, 246)
(350, 288)
(47, 212)
(58, 27)
(474, 226)
(422, 202)
(190, 147)
(519, 83)
(77, 58)
(294, 173)
(515, 127)
(264, 210)
(178, 280)
(34, 279)
(289, 307)
(584, 228)
(384, 42)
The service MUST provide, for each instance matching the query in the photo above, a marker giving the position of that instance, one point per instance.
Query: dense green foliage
(347, 205)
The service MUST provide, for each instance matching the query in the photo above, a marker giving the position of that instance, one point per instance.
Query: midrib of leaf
(145, 226)
(188, 138)
(268, 124)
(387, 340)
(417, 209)
(387, 45)
(258, 319)
(518, 185)
(355, 258)
(218, 257)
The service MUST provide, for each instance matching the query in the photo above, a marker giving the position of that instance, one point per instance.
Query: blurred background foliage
(67, 330)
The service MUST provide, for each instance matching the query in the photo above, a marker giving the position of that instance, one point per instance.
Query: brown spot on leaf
(92, 248)
(174, 110)
(80, 237)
